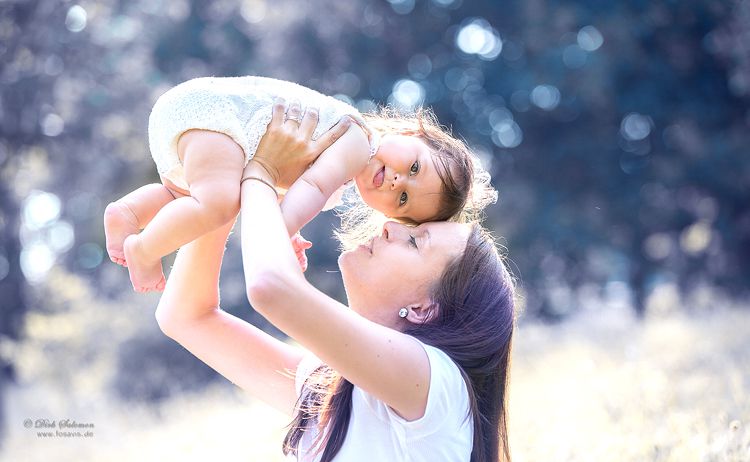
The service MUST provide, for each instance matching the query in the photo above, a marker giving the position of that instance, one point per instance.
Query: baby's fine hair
(466, 184)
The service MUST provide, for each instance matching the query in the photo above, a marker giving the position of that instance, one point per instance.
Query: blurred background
(617, 135)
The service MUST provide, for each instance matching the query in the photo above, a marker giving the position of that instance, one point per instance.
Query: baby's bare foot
(144, 275)
(119, 223)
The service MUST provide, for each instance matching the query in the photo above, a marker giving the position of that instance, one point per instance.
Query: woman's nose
(385, 232)
(391, 230)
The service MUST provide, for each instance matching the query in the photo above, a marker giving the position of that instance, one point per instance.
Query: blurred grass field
(600, 386)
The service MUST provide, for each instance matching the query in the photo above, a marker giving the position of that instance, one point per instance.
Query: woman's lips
(377, 180)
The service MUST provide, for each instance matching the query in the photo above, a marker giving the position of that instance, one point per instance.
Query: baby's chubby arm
(339, 163)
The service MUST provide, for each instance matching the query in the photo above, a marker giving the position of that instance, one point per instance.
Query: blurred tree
(153, 367)
(12, 137)
(11, 286)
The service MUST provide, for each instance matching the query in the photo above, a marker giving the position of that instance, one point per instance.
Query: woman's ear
(422, 313)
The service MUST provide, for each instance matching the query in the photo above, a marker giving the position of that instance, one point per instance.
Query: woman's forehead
(442, 233)
(445, 226)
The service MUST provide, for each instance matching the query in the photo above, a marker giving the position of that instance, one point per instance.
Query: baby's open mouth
(377, 180)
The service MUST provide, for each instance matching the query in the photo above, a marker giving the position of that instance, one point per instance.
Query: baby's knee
(229, 209)
(221, 206)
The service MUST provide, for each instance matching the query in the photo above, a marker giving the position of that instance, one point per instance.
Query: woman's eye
(414, 168)
(402, 200)
(413, 241)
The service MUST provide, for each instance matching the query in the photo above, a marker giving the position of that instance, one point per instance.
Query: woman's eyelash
(413, 240)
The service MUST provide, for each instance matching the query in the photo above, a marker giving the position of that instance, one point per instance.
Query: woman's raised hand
(287, 149)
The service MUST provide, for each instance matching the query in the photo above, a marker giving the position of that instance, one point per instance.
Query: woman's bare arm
(189, 313)
(388, 364)
(189, 309)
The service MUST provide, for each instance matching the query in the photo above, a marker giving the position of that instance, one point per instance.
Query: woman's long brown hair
(474, 326)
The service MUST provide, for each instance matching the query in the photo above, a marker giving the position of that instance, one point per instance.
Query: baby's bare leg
(213, 167)
(130, 214)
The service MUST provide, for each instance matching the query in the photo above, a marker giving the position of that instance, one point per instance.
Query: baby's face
(401, 181)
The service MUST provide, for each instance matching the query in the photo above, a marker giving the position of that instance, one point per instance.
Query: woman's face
(398, 268)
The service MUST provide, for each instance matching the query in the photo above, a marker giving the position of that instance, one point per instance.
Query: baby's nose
(396, 181)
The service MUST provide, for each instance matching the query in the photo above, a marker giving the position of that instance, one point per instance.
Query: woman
(415, 369)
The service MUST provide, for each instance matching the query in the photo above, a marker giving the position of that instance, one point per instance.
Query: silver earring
(403, 312)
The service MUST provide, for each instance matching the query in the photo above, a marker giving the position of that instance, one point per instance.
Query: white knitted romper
(240, 107)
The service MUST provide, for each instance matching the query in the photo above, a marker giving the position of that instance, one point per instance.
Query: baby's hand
(299, 244)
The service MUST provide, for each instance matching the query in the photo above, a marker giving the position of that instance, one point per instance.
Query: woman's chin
(343, 260)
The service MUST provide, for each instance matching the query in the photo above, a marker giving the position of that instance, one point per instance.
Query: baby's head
(419, 173)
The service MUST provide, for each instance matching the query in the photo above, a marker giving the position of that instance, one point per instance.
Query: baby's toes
(115, 255)
(119, 261)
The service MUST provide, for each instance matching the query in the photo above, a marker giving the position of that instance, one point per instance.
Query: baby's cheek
(372, 200)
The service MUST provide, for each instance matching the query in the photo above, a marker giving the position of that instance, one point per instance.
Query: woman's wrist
(256, 173)
(258, 170)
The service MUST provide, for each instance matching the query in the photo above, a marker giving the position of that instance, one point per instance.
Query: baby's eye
(402, 200)
(414, 168)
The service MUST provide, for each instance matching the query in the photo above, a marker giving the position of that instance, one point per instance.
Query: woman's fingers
(309, 122)
(330, 137)
(294, 113)
(279, 109)
(287, 149)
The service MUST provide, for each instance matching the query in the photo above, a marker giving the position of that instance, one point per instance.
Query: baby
(405, 167)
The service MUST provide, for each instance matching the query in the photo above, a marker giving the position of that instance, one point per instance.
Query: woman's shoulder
(447, 406)
(444, 372)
